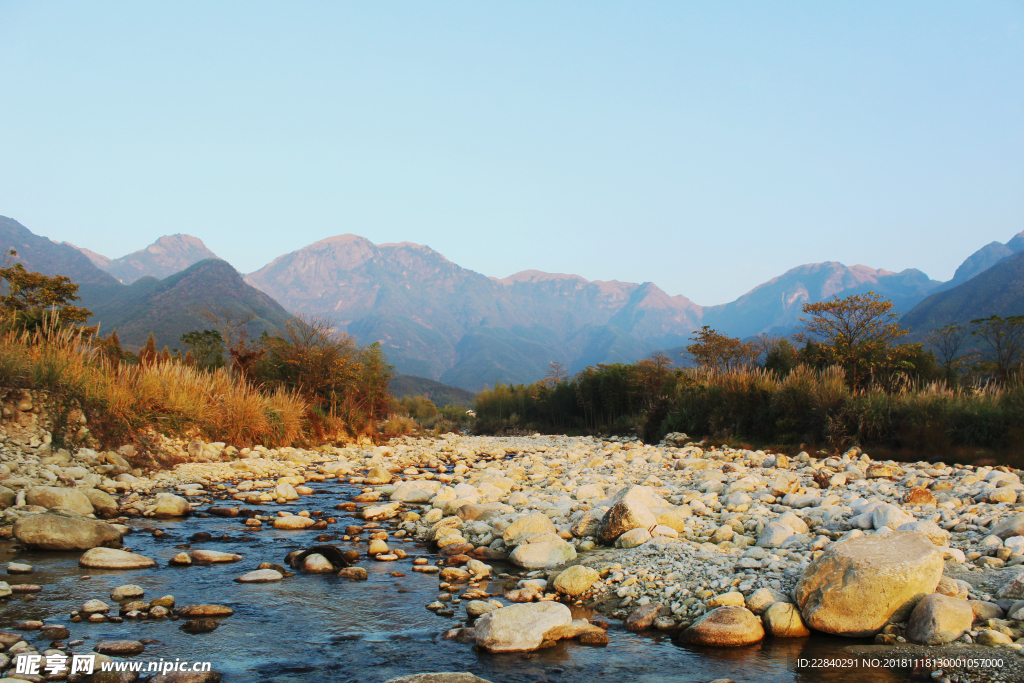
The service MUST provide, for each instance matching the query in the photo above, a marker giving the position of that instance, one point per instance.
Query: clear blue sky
(703, 146)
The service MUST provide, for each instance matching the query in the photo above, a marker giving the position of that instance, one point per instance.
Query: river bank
(460, 517)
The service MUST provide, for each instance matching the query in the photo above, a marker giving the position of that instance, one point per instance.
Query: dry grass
(125, 399)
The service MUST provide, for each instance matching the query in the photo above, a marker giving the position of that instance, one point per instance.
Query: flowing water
(323, 628)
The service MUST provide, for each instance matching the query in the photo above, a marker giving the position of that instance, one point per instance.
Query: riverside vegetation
(849, 384)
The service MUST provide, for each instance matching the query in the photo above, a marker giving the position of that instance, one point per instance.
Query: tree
(149, 355)
(947, 343)
(29, 298)
(556, 374)
(110, 348)
(206, 348)
(231, 323)
(713, 350)
(375, 379)
(1003, 342)
(852, 331)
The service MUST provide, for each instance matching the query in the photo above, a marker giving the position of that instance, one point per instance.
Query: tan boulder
(520, 628)
(576, 580)
(625, 516)
(537, 523)
(782, 620)
(857, 585)
(939, 619)
(110, 558)
(56, 497)
(724, 627)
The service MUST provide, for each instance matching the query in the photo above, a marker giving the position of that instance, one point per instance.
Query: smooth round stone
(317, 564)
(260, 576)
(119, 648)
(92, 606)
(213, 556)
(19, 568)
(127, 591)
(353, 573)
(195, 626)
(110, 558)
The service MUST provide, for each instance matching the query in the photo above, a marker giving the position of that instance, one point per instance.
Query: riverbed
(321, 627)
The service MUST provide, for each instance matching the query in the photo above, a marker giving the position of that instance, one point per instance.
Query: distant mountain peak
(168, 255)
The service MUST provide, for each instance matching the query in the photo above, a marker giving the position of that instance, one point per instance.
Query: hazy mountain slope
(776, 305)
(996, 291)
(45, 256)
(983, 259)
(168, 255)
(168, 307)
(441, 394)
(98, 260)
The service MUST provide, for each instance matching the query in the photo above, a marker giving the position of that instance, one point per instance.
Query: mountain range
(438, 320)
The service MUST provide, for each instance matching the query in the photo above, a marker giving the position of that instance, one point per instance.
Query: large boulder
(56, 497)
(540, 551)
(782, 620)
(1014, 526)
(724, 627)
(417, 491)
(857, 585)
(576, 580)
(675, 517)
(110, 558)
(625, 516)
(169, 505)
(524, 527)
(65, 531)
(939, 619)
(103, 503)
(521, 627)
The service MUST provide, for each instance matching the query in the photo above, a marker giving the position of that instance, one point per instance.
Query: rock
(463, 677)
(625, 516)
(53, 496)
(169, 505)
(936, 534)
(1014, 526)
(127, 591)
(377, 476)
(724, 627)
(478, 608)
(286, 491)
(919, 496)
(353, 573)
(890, 516)
(939, 619)
(730, 599)
(19, 568)
(763, 598)
(782, 620)
(193, 611)
(1014, 590)
(547, 550)
(109, 558)
(95, 607)
(65, 531)
(858, 584)
(377, 547)
(633, 538)
(196, 626)
(774, 535)
(992, 638)
(317, 564)
(5, 589)
(676, 517)
(524, 527)
(213, 556)
(119, 648)
(643, 618)
(415, 491)
(293, 523)
(521, 627)
(181, 560)
(260, 576)
(786, 482)
(983, 611)
(576, 580)
(104, 504)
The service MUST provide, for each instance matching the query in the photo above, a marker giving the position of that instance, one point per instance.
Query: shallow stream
(324, 628)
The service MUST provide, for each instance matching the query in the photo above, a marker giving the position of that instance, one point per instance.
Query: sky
(706, 147)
